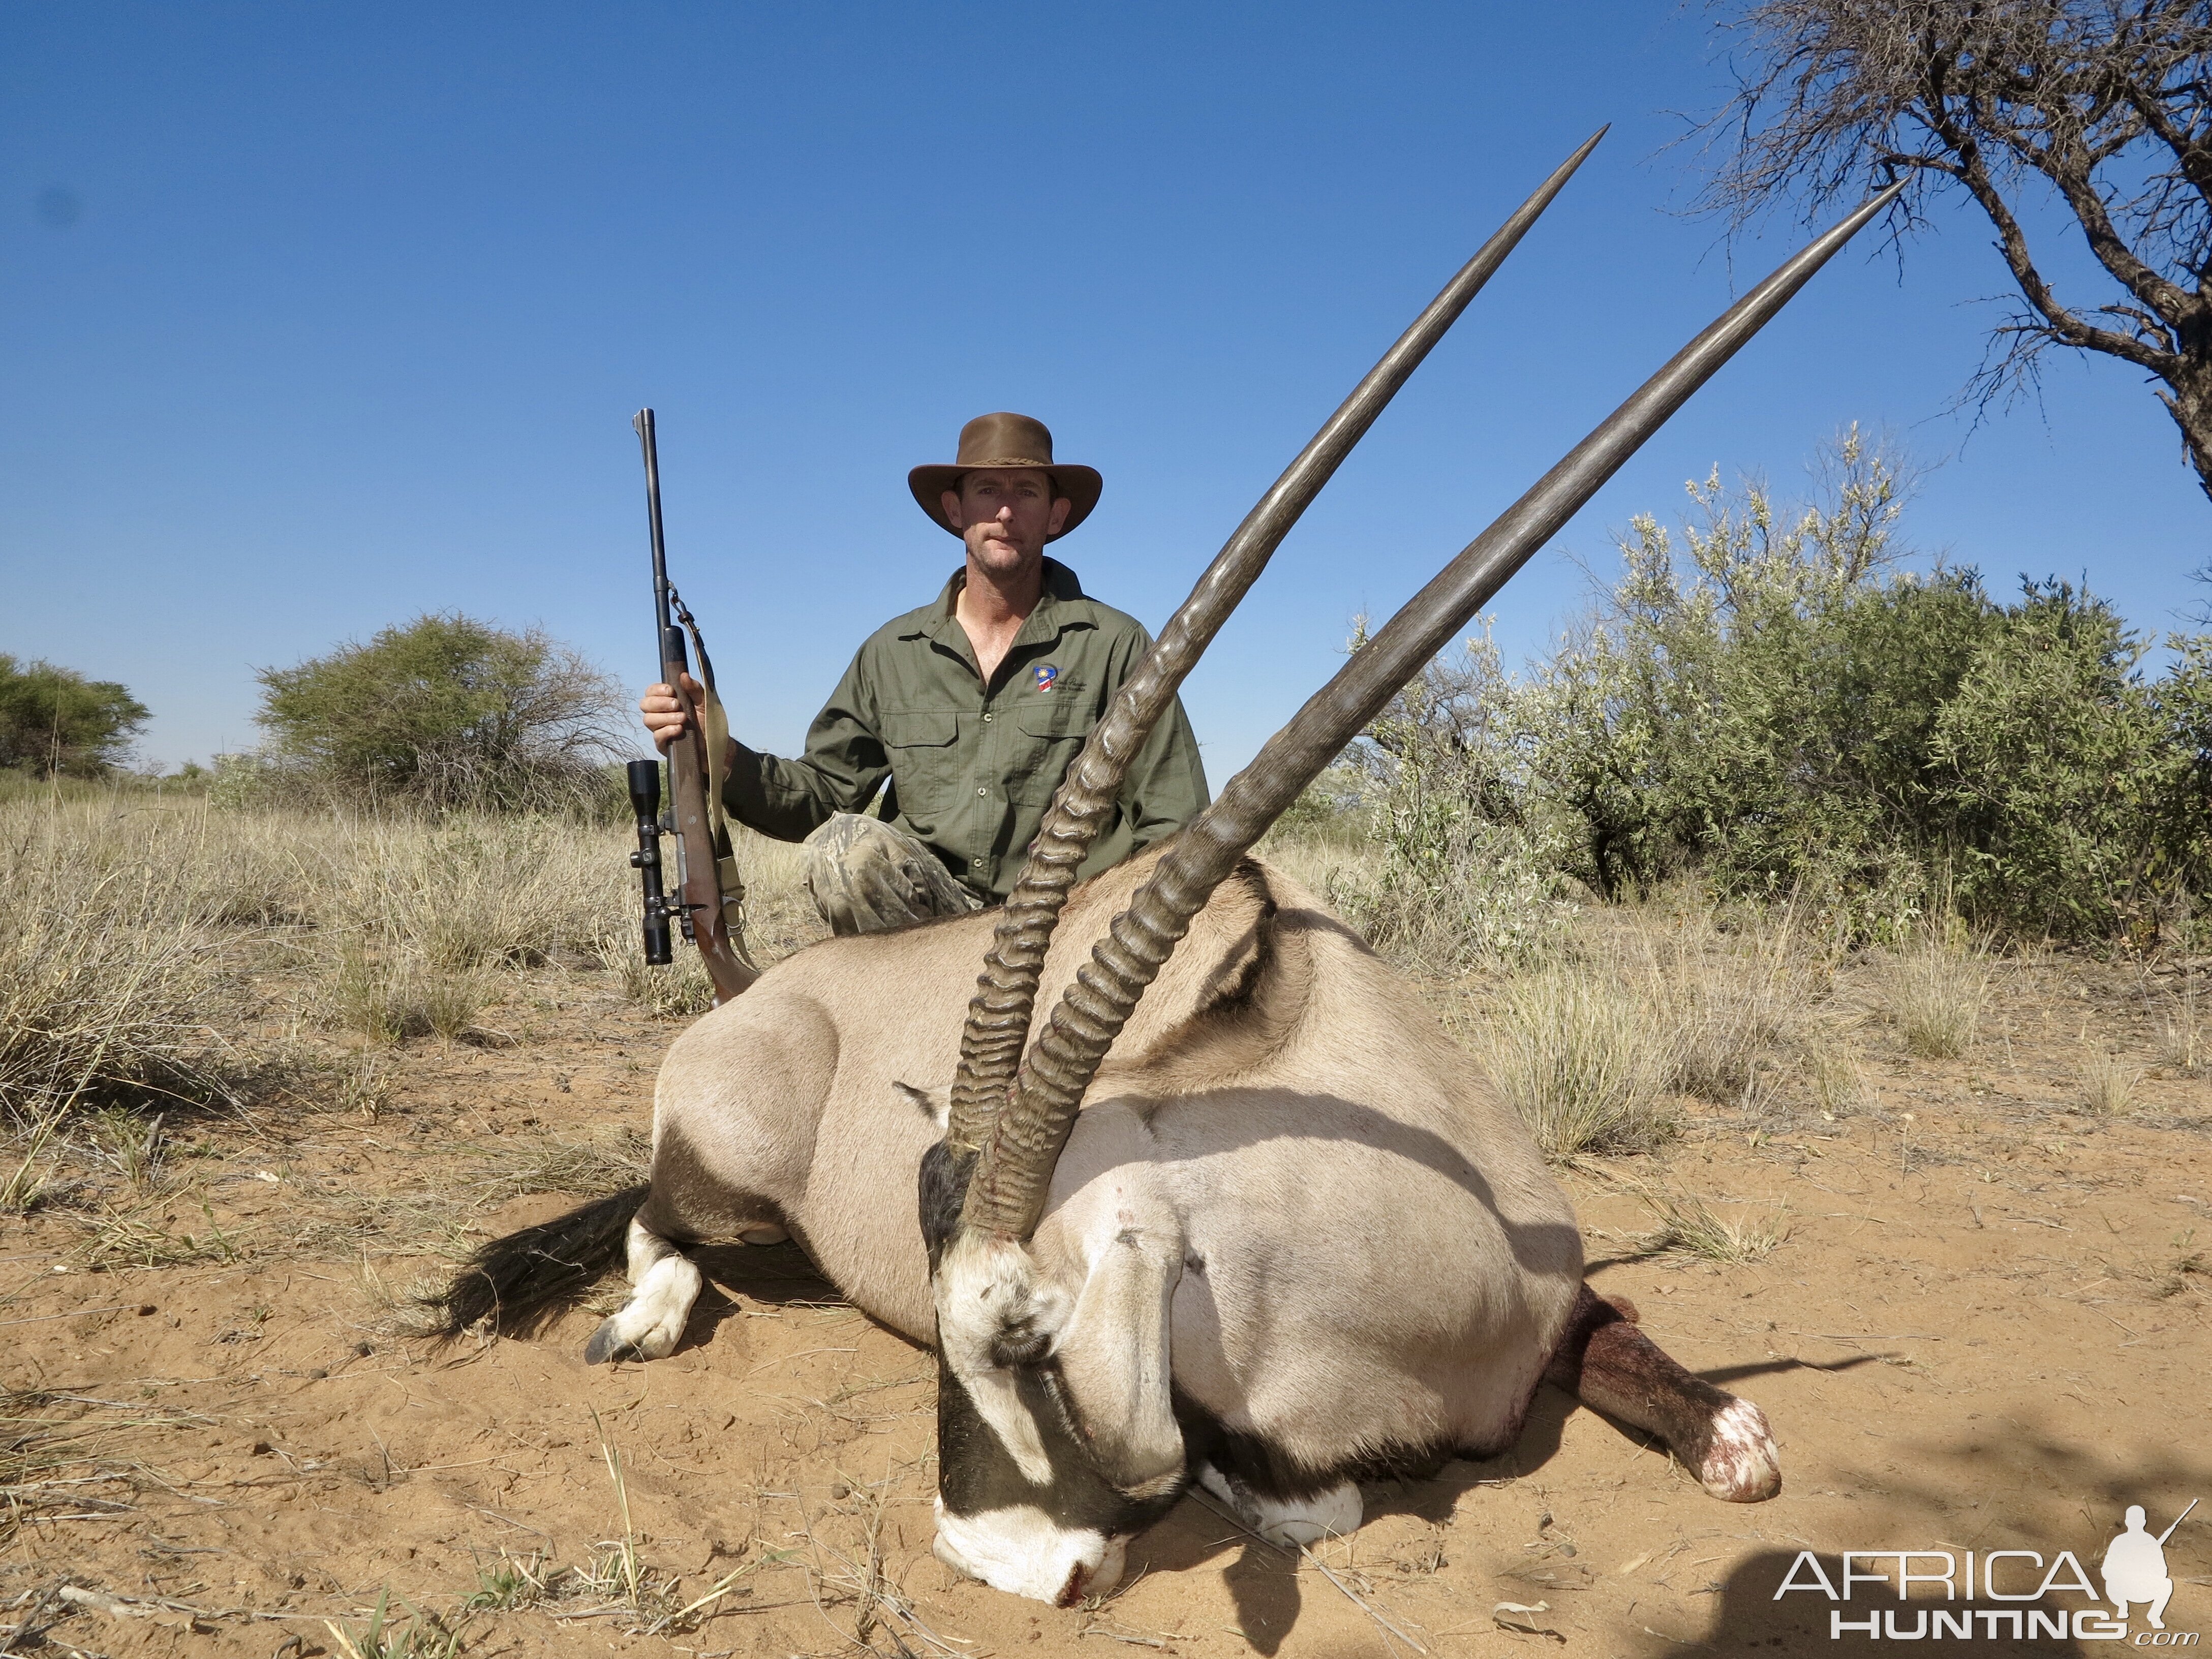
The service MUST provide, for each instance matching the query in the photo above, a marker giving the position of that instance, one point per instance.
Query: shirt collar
(1045, 622)
(1060, 585)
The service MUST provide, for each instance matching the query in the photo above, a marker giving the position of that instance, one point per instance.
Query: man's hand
(665, 713)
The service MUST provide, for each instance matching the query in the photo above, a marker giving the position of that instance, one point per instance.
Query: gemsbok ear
(1114, 1362)
(934, 1104)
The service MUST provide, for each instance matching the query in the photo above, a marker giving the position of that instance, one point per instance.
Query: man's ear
(1061, 507)
(950, 500)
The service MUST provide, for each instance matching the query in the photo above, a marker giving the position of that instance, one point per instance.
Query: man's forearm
(783, 799)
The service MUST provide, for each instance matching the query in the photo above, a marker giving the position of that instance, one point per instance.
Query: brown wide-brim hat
(1004, 439)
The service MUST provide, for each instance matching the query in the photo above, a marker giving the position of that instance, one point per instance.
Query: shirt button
(982, 792)
(986, 717)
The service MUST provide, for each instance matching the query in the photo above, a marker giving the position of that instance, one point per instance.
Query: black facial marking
(975, 1473)
(917, 1098)
(943, 1189)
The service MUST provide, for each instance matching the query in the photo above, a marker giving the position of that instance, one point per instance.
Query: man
(965, 713)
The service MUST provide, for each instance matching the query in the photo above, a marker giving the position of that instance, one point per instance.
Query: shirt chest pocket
(920, 746)
(1049, 732)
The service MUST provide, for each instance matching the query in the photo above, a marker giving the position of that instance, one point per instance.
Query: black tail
(521, 1282)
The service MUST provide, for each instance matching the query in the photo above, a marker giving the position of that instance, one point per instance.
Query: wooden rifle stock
(707, 890)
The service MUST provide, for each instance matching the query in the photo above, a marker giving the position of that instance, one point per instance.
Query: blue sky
(314, 318)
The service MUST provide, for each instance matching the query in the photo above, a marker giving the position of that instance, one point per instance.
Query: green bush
(1471, 864)
(1771, 705)
(444, 713)
(54, 721)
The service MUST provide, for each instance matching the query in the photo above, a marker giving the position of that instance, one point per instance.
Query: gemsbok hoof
(626, 1335)
(1288, 1523)
(1739, 1465)
(608, 1343)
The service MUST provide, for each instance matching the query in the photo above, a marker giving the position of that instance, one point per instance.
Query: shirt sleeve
(1166, 785)
(843, 767)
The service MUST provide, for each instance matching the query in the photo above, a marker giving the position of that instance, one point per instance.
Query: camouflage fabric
(971, 768)
(867, 878)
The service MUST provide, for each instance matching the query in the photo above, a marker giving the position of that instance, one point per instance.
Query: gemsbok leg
(1605, 1362)
(664, 1283)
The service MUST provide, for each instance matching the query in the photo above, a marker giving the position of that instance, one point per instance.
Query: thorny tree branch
(2106, 102)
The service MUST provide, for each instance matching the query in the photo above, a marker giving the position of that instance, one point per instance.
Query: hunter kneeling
(965, 713)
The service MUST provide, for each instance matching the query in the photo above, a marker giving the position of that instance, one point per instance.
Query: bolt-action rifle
(708, 906)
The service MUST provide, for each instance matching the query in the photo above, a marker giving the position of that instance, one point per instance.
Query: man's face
(1005, 515)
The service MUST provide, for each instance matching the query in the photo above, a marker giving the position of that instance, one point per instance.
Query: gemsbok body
(1241, 1214)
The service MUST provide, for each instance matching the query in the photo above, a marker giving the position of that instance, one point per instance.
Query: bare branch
(2107, 101)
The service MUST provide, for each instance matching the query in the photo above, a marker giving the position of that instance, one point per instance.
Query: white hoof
(651, 1323)
(1740, 1466)
(1288, 1523)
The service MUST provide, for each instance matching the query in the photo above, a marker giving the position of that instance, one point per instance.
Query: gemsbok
(1241, 1214)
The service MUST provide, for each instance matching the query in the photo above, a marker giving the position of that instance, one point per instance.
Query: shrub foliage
(444, 713)
(54, 721)
(1772, 704)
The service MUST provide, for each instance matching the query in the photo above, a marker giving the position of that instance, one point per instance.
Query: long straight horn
(998, 1024)
(1006, 1194)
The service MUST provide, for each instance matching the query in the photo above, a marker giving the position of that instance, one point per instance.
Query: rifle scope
(645, 800)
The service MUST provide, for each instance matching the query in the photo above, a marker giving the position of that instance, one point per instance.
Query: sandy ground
(1986, 1329)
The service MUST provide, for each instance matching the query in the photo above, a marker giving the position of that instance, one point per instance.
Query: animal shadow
(1262, 1581)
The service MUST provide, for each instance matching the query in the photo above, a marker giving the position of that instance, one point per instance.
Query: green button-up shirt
(973, 767)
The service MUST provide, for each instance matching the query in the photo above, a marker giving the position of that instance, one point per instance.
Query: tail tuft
(519, 1283)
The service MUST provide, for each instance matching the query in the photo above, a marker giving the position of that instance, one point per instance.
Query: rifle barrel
(642, 424)
(2178, 1520)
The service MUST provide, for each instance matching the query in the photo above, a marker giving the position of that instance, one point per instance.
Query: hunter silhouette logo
(2019, 1580)
(2135, 1568)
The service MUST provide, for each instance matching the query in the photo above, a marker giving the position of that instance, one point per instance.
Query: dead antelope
(1289, 1239)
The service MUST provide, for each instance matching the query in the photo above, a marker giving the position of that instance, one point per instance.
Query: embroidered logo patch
(1046, 675)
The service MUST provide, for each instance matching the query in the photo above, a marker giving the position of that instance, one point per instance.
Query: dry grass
(476, 892)
(112, 959)
(64, 1454)
(1935, 990)
(130, 927)
(1838, 1084)
(2108, 1084)
(1586, 1054)
(509, 1170)
(1688, 1226)
(2182, 1046)
(1736, 995)
(678, 991)
(391, 994)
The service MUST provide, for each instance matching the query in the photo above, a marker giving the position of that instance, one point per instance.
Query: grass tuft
(589, 1169)
(1935, 990)
(1690, 1226)
(1586, 1057)
(2108, 1084)
(510, 1583)
(678, 991)
(423, 1637)
(392, 994)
